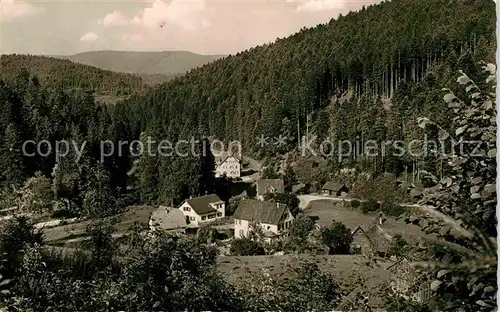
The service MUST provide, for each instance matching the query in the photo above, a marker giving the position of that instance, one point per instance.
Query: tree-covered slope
(143, 63)
(54, 72)
(371, 53)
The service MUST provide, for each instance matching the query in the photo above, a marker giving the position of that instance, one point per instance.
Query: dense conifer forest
(345, 74)
(366, 75)
(53, 73)
(371, 54)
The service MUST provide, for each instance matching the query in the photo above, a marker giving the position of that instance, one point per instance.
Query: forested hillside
(385, 51)
(369, 74)
(375, 74)
(52, 72)
(143, 63)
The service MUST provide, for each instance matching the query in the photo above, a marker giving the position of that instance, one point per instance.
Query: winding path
(304, 200)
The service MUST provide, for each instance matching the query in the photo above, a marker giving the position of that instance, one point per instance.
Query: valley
(321, 171)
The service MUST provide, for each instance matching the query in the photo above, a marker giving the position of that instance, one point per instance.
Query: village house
(272, 217)
(268, 186)
(203, 209)
(168, 219)
(228, 165)
(404, 281)
(334, 189)
(373, 241)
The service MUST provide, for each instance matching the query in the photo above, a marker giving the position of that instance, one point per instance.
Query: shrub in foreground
(246, 247)
(369, 206)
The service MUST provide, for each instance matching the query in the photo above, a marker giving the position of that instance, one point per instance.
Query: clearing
(326, 211)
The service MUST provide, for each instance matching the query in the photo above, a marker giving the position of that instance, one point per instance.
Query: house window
(219, 214)
(211, 216)
(242, 233)
(187, 209)
(285, 216)
(203, 217)
(192, 218)
(268, 227)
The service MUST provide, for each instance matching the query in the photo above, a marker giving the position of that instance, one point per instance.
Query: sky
(200, 26)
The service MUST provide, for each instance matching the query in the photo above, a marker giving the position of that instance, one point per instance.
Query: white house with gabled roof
(204, 209)
(272, 217)
(228, 165)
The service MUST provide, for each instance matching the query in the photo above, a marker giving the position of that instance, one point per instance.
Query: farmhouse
(228, 165)
(372, 241)
(203, 209)
(272, 217)
(335, 189)
(267, 186)
(168, 219)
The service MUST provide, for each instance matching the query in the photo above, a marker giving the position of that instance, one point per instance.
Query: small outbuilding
(335, 189)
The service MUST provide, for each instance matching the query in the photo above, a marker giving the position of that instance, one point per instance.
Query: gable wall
(231, 167)
(190, 213)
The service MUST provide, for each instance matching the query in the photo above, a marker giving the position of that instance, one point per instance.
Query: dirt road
(306, 199)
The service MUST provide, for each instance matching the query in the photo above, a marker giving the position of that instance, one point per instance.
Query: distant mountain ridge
(142, 63)
(55, 72)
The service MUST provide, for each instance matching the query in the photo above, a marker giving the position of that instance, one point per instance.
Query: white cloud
(133, 37)
(185, 14)
(115, 18)
(12, 9)
(89, 37)
(320, 5)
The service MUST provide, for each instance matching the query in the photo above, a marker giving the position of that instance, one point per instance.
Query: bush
(301, 227)
(369, 206)
(307, 289)
(355, 203)
(338, 238)
(398, 247)
(269, 173)
(36, 194)
(396, 304)
(381, 187)
(16, 235)
(206, 234)
(299, 232)
(246, 247)
(392, 209)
